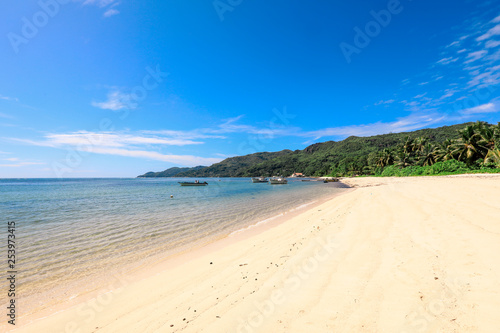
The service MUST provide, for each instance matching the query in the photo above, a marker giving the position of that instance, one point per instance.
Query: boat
(330, 180)
(277, 181)
(259, 180)
(196, 183)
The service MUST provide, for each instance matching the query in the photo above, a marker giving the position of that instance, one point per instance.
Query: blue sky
(106, 88)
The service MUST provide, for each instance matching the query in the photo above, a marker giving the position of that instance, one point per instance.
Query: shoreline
(175, 257)
(393, 253)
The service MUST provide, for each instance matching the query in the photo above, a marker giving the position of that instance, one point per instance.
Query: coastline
(73, 295)
(395, 254)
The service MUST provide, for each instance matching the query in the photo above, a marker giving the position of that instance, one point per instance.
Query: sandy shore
(393, 255)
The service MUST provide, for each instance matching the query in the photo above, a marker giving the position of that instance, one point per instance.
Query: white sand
(395, 255)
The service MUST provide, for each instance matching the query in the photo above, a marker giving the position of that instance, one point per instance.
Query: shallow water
(74, 229)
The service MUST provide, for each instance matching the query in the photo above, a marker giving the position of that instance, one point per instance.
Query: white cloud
(117, 100)
(7, 98)
(448, 93)
(382, 102)
(492, 32)
(100, 3)
(188, 160)
(493, 57)
(423, 83)
(229, 126)
(446, 61)
(112, 143)
(111, 12)
(276, 127)
(409, 123)
(20, 164)
(485, 108)
(145, 143)
(109, 139)
(414, 121)
(473, 56)
(492, 44)
(485, 78)
(187, 135)
(108, 4)
(106, 139)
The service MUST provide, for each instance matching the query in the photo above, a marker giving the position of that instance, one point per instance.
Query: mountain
(226, 168)
(231, 167)
(172, 172)
(315, 160)
(319, 158)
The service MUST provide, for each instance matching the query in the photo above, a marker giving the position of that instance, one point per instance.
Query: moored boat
(330, 180)
(196, 183)
(278, 181)
(259, 180)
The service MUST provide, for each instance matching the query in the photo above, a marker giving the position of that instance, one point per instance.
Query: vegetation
(172, 172)
(347, 157)
(475, 149)
(470, 147)
(230, 167)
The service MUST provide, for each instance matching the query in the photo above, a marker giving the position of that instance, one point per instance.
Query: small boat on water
(259, 180)
(195, 183)
(330, 180)
(278, 181)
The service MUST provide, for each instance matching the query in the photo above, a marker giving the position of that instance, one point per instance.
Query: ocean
(71, 233)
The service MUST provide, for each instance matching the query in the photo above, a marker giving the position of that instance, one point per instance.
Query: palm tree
(384, 158)
(487, 134)
(428, 155)
(444, 151)
(403, 159)
(496, 129)
(493, 157)
(408, 145)
(352, 169)
(468, 148)
(419, 144)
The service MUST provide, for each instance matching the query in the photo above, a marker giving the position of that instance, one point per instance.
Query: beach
(416, 254)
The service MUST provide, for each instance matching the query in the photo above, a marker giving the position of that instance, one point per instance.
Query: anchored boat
(195, 183)
(330, 180)
(278, 181)
(259, 180)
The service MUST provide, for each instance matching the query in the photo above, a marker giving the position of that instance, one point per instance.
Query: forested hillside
(475, 145)
(172, 172)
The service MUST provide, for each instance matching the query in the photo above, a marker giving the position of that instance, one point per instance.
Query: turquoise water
(74, 230)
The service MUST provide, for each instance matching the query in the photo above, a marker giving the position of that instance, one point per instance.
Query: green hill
(226, 168)
(315, 160)
(172, 172)
(233, 166)
(318, 159)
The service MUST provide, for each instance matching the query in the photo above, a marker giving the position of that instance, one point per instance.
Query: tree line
(477, 149)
